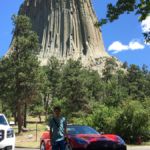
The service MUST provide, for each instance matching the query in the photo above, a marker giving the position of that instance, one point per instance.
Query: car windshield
(80, 130)
(2, 120)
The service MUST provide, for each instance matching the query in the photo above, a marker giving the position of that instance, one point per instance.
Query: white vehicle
(7, 135)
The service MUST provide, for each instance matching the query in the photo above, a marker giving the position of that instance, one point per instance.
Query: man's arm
(50, 133)
(50, 129)
(65, 128)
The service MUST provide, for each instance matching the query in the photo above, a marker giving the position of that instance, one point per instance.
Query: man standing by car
(57, 126)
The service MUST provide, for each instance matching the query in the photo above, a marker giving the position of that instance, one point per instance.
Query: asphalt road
(139, 148)
(129, 148)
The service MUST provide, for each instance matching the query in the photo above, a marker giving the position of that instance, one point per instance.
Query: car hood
(97, 137)
(4, 127)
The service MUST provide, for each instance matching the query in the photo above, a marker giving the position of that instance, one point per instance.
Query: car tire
(68, 147)
(42, 147)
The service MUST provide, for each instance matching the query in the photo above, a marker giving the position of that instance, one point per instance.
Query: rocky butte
(66, 29)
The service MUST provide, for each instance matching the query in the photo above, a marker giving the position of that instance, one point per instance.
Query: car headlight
(80, 141)
(10, 133)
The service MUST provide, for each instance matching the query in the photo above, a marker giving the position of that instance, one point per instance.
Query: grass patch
(146, 143)
(28, 145)
(30, 138)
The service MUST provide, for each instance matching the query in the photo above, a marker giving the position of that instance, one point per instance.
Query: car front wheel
(42, 147)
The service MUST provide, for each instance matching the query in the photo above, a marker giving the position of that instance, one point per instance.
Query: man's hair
(57, 108)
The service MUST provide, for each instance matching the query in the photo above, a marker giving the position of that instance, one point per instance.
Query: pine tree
(23, 71)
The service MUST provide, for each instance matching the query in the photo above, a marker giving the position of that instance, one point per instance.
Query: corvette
(85, 138)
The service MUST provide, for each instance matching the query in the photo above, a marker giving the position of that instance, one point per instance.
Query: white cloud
(117, 46)
(146, 43)
(146, 25)
(135, 45)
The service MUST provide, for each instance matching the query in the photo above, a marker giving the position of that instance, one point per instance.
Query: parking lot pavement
(138, 148)
(129, 148)
(25, 149)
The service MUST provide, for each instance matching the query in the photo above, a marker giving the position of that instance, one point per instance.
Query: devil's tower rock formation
(66, 29)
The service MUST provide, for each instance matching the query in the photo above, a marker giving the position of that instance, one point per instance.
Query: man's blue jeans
(59, 145)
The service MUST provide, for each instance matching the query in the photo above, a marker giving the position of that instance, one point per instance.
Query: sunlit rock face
(66, 29)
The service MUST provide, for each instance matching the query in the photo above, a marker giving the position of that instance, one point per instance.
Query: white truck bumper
(8, 143)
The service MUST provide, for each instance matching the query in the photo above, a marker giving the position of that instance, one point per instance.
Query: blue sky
(122, 38)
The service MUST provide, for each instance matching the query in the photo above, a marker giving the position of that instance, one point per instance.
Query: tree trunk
(25, 116)
(40, 119)
(19, 118)
(2, 107)
(46, 105)
(15, 117)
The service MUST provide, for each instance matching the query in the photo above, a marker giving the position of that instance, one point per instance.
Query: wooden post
(36, 131)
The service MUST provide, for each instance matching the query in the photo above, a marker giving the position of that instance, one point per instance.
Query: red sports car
(86, 138)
